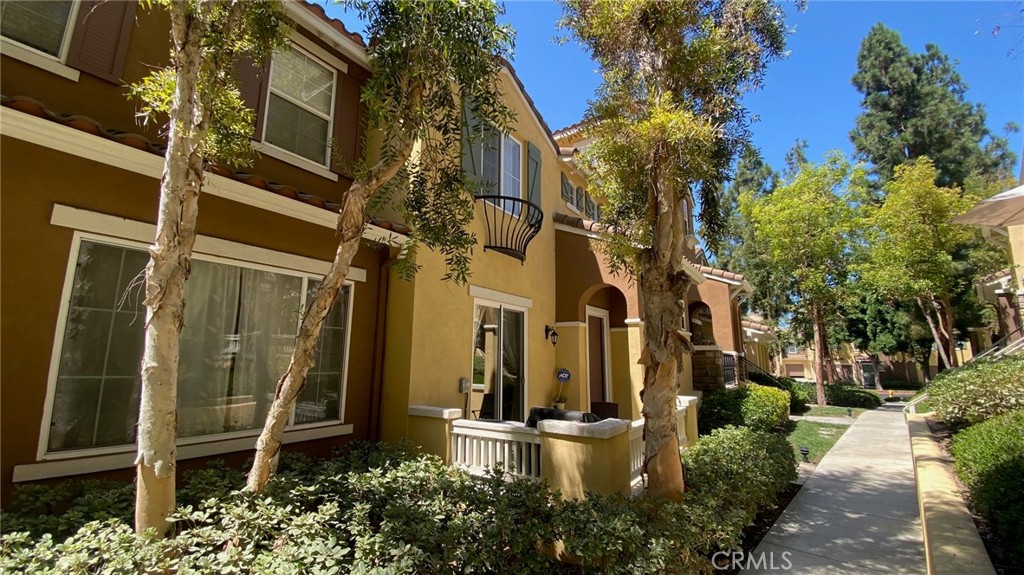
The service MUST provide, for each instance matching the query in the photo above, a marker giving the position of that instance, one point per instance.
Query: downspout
(377, 377)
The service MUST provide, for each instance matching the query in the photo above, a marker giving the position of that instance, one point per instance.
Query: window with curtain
(240, 326)
(501, 163)
(300, 105)
(43, 26)
(499, 384)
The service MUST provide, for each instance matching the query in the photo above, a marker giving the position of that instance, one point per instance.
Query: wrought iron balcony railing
(511, 224)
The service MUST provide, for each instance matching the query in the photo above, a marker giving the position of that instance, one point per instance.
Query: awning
(1005, 209)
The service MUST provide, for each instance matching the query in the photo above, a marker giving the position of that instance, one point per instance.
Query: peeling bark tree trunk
(166, 273)
(878, 373)
(662, 286)
(819, 354)
(947, 319)
(351, 221)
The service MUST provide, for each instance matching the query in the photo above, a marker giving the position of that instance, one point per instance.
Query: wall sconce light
(550, 333)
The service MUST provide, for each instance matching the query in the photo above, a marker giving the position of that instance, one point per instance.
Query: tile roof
(338, 25)
(569, 130)
(996, 275)
(719, 273)
(756, 325)
(578, 222)
(140, 142)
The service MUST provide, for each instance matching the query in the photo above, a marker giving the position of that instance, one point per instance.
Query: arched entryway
(604, 314)
(701, 324)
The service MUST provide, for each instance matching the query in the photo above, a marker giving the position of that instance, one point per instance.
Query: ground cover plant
(979, 390)
(990, 462)
(388, 509)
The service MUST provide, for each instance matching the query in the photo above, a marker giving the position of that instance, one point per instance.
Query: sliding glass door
(498, 389)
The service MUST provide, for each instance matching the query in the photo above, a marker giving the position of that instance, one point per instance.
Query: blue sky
(808, 95)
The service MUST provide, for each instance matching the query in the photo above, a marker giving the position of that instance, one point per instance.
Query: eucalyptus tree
(430, 59)
(666, 122)
(912, 247)
(809, 225)
(207, 120)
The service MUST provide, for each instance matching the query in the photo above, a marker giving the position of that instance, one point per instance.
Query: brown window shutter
(99, 42)
(253, 87)
(347, 119)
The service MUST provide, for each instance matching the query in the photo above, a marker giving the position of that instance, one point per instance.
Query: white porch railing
(478, 446)
(636, 452)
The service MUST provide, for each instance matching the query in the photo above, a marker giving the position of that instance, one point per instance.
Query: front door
(597, 349)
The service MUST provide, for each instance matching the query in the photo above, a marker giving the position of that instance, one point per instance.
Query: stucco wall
(35, 258)
(724, 314)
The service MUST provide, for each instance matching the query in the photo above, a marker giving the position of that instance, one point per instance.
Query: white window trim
(502, 298)
(293, 159)
(42, 454)
(477, 301)
(500, 191)
(606, 319)
(302, 161)
(42, 60)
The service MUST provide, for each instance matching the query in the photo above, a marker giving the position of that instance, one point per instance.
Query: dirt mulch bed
(999, 556)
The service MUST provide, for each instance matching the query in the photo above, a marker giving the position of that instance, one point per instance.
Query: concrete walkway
(857, 513)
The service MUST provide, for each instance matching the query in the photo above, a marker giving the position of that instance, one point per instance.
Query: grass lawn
(832, 411)
(818, 437)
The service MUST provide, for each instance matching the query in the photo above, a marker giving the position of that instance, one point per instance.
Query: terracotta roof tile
(720, 273)
(578, 222)
(90, 126)
(996, 275)
(569, 130)
(751, 324)
(338, 25)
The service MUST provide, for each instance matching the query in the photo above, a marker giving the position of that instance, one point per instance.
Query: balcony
(510, 223)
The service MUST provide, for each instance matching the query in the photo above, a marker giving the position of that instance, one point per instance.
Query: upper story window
(42, 26)
(501, 167)
(300, 105)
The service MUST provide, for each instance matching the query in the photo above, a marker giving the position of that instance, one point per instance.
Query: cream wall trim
(436, 412)
(41, 61)
(601, 430)
(297, 161)
(126, 460)
(721, 279)
(324, 31)
(633, 321)
(95, 222)
(577, 231)
(26, 127)
(684, 401)
(500, 297)
(570, 324)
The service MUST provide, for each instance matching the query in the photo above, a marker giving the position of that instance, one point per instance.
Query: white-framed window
(501, 158)
(42, 27)
(300, 105)
(240, 324)
(499, 362)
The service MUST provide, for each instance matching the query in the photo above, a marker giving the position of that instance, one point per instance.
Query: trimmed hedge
(384, 509)
(741, 467)
(850, 394)
(799, 396)
(979, 390)
(756, 406)
(989, 459)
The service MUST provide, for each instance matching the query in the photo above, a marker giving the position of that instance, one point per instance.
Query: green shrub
(799, 396)
(741, 467)
(979, 390)
(63, 507)
(765, 408)
(900, 385)
(849, 394)
(757, 406)
(384, 509)
(990, 461)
